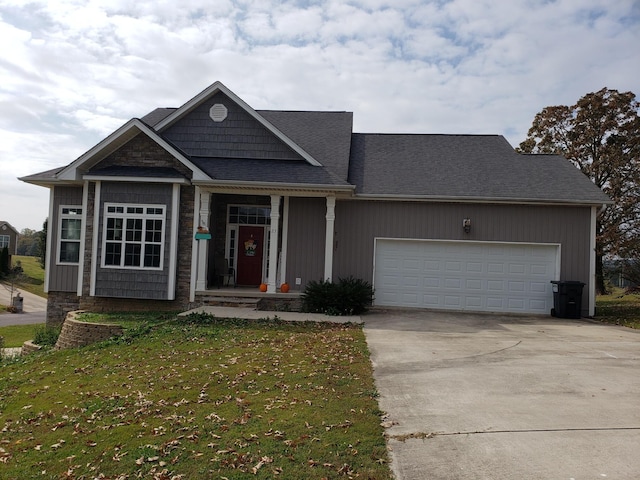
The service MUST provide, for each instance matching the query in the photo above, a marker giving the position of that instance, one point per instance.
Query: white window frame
(5, 241)
(69, 212)
(133, 211)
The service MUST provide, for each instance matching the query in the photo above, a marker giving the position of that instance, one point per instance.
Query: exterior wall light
(466, 225)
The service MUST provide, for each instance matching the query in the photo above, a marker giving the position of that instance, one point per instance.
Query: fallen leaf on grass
(261, 463)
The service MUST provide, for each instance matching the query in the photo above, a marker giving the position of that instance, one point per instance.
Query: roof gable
(191, 128)
(238, 135)
(9, 226)
(119, 138)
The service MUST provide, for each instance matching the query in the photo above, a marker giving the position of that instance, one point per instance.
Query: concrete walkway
(251, 314)
(499, 397)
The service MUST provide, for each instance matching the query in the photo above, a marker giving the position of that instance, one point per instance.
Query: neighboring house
(435, 221)
(8, 237)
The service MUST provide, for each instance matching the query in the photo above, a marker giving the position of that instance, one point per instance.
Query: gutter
(494, 200)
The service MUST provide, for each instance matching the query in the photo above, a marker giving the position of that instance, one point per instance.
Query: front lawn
(16, 335)
(197, 397)
(619, 308)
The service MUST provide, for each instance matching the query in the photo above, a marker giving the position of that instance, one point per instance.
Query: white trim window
(4, 241)
(70, 229)
(133, 236)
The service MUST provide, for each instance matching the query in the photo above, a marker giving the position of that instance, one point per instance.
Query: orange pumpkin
(263, 287)
(284, 288)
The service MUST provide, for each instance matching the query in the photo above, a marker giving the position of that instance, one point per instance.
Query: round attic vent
(218, 112)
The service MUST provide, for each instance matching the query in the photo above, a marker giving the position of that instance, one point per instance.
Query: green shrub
(349, 296)
(46, 336)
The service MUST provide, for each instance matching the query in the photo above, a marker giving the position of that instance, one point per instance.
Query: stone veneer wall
(30, 347)
(59, 304)
(78, 334)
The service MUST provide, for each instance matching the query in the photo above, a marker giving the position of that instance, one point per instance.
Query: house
(8, 237)
(147, 217)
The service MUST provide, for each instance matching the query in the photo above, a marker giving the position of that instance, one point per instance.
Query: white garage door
(477, 276)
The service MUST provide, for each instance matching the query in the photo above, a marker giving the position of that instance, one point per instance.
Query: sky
(73, 71)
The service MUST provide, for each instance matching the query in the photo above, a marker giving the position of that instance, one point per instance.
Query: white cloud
(71, 71)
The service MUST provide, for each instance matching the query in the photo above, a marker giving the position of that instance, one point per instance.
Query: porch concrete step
(239, 302)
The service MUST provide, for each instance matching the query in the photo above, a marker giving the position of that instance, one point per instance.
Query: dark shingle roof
(157, 115)
(445, 167)
(326, 136)
(463, 166)
(42, 178)
(269, 171)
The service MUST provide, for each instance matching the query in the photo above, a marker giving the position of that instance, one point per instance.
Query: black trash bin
(567, 299)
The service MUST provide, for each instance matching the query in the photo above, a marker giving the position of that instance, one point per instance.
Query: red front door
(250, 248)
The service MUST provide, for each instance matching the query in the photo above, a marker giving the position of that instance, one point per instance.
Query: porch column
(285, 240)
(273, 243)
(203, 245)
(328, 244)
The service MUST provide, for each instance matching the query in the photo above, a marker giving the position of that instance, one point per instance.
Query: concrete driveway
(34, 308)
(504, 397)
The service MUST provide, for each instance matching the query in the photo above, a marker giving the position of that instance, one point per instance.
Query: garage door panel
(453, 283)
(473, 284)
(431, 282)
(479, 276)
(495, 303)
(411, 281)
(476, 267)
(540, 269)
(453, 266)
(474, 303)
(517, 268)
(538, 287)
(453, 301)
(432, 265)
(431, 300)
(493, 267)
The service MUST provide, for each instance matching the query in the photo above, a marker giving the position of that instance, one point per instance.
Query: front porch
(247, 243)
(250, 298)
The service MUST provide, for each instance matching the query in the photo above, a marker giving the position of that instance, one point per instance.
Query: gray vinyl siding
(306, 239)
(62, 278)
(134, 283)
(358, 223)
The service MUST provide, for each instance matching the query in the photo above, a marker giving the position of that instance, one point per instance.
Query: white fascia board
(219, 87)
(126, 132)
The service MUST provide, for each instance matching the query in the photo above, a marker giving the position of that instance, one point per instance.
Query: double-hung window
(70, 233)
(133, 236)
(4, 241)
